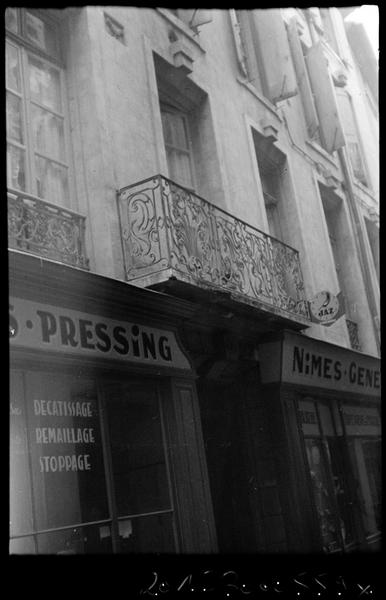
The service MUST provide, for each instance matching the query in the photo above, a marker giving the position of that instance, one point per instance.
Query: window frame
(101, 385)
(167, 107)
(26, 49)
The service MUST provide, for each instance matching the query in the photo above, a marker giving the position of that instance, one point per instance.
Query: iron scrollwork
(46, 230)
(164, 224)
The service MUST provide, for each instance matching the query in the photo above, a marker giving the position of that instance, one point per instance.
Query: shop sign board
(304, 361)
(326, 308)
(360, 420)
(46, 327)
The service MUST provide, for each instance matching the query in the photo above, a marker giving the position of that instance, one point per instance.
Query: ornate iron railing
(166, 227)
(45, 229)
(353, 334)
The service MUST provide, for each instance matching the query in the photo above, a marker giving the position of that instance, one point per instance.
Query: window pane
(147, 534)
(40, 33)
(51, 181)
(66, 451)
(47, 133)
(14, 118)
(179, 168)
(44, 83)
(12, 68)
(137, 450)
(167, 127)
(11, 20)
(15, 167)
(366, 461)
(95, 539)
(324, 502)
(179, 132)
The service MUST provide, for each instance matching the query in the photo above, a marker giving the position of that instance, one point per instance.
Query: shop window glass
(66, 451)
(344, 494)
(366, 461)
(137, 450)
(21, 517)
(323, 497)
(58, 493)
(153, 533)
(95, 539)
(344, 457)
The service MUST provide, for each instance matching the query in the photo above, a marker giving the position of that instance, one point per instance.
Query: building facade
(194, 281)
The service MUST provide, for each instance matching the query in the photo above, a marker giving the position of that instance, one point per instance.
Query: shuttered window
(261, 39)
(37, 156)
(351, 134)
(306, 96)
(330, 128)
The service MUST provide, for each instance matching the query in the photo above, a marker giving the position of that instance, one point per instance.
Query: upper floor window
(351, 134)
(177, 145)
(263, 53)
(316, 90)
(37, 153)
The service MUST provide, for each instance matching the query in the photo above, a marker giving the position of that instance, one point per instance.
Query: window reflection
(151, 534)
(95, 539)
(67, 465)
(137, 449)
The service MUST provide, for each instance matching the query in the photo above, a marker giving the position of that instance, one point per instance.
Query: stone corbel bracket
(269, 130)
(182, 56)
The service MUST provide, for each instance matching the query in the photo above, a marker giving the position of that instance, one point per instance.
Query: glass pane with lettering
(44, 82)
(13, 79)
(48, 133)
(51, 181)
(66, 450)
(137, 449)
(16, 176)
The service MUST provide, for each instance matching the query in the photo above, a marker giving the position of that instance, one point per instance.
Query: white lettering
(65, 462)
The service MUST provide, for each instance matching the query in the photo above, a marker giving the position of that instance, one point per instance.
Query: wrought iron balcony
(170, 233)
(46, 229)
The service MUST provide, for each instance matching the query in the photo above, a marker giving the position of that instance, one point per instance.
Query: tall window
(271, 192)
(351, 133)
(177, 145)
(37, 156)
(263, 53)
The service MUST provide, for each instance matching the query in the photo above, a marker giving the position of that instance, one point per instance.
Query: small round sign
(324, 306)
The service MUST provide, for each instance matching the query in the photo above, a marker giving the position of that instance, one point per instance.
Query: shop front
(329, 400)
(103, 419)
